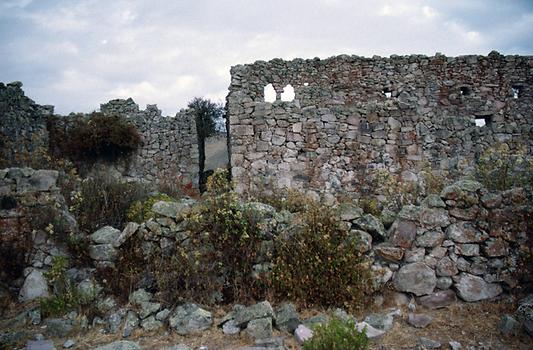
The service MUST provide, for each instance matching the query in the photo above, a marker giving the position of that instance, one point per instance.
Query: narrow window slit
(483, 121)
(387, 92)
(269, 93)
(517, 91)
(464, 90)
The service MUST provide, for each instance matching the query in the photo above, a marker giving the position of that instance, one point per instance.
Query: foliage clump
(320, 264)
(337, 335)
(103, 200)
(499, 168)
(141, 210)
(285, 199)
(100, 137)
(66, 295)
(217, 260)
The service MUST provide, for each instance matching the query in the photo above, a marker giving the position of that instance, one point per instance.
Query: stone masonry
(352, 114)
(169, 144)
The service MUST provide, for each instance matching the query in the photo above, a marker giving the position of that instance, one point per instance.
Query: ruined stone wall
(22, 126)
(351, 114)
(169, 144)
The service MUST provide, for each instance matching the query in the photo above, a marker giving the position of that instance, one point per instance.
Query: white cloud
(168, 52)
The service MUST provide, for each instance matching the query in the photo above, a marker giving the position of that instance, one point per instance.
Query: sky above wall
(76, 54)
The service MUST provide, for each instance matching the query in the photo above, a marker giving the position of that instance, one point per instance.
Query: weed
(337, 335)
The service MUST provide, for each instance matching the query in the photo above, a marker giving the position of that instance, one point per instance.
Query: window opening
(483, 121)
(517, 91)
(464, 90)
(269, 93)
(288, 93)
(387, 92)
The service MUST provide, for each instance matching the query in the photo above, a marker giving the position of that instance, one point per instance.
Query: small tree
(207, 115)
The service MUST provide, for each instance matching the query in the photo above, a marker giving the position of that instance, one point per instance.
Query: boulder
(40, 345)
(260, 328)
(416, 278)
(190, 318)
(390, 253)
(474, 288)
(372, 225)
(419, 320)
(105, 235)
(349, 212)
(465, 232)
(446, 267)
(35, 286)
(172, 210)
(438, 299)
(58, 327)
(382, 322)
(103, 252)
(287, 318)
(430, 239)
(259, 310)
(434, 217)
(129, 230)
(404, 233)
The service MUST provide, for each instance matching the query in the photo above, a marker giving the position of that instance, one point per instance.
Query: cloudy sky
(75, 54)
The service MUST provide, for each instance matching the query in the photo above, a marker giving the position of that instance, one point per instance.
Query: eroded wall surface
(351, 114)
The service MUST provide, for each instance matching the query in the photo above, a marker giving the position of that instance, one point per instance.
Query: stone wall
(351, 114)
(169, 144)
(34, 225)
(22, 126)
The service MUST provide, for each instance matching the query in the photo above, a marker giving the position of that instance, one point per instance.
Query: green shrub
(499, 168)
(141, 211)
(337, 335)
(284, 199)
(320, 264)
(100, 137)
(219, 256)
(103, 200)
(66, 295)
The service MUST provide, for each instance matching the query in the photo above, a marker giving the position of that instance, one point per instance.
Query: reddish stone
(496, 247)
(404, 234)
(438, 299)
(387, 252)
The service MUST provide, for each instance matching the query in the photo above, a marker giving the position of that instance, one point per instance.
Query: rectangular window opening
(387, 92)
(517, 91)
(483, 121)
(464, 90)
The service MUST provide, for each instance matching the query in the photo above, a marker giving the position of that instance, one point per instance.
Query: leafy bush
(66, 295)
(217, 261)
(320, 264)
(100, 137)
(141, 211)
(103, 200)
(499, 168)
(284, 199)
(337, 335)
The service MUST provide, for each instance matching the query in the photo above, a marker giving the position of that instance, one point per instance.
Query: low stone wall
(34, 226)
(353, 114)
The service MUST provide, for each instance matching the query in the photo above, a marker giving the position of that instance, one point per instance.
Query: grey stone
(444, 282)
(349, 212)
(419, 320)
(162, 315)
(474, 288)
(314, 321)
(259, 310)
(438, 299)
(177, 347)
(434, 217)
(35, 316)
(433, 201)
(130, 323)
(509, 325)
(34, 287)
(88, 290)
(372, 225)
(113, 322)
(467, 249)
(57, 327)
(105, 235)
(69, 343)
(287, 318)
(148, 308)
(382, 322)
(103, 252)
(260, 328)
(40, 345)
(190, 318)
(427, 343)
(416, 278)
(140, 296)
(371, 332)
(230, 328)
(454, 345)
(430, 239)
(129, 230)
(173, 210)
(446, 267)
(120, 345)
(151, 324)
(465, 232)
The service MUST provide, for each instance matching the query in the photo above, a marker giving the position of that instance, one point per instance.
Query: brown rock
(390, 253)
(404, 234)
(446, 267)
(496, 247)
(438, 299)
(465, 232)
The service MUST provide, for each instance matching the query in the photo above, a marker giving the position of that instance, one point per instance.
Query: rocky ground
(394, 322)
